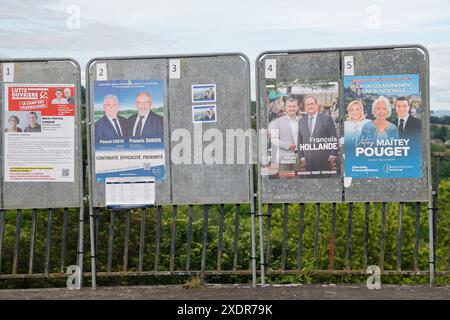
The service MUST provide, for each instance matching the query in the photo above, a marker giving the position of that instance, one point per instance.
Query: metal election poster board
(187, 104)
(41, 134)
(344, 125)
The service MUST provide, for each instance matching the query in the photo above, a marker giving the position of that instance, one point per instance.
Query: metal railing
(216, 239)
(29, 240)
(323, 239)
(175, 240)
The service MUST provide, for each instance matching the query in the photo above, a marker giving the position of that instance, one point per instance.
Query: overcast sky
(49, 28)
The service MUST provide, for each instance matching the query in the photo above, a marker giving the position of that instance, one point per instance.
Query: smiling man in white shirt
(284, 133)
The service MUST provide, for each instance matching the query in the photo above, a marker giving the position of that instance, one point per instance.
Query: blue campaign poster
(383, 126)
(129, 129)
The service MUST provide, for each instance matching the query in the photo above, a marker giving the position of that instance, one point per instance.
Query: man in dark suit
(145, 123)
(315, 125)
(408, 126)
(111, 125)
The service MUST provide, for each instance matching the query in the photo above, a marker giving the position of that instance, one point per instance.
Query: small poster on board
(134, 192)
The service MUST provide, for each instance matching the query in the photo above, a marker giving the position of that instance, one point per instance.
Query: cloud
(260, 15)
(46, 29)
(137, 27)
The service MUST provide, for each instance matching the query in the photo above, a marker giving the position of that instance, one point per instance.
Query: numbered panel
(41, 134)
(391, 164)
(198, 99)
(122, 81)
(290, 167)
(376, 99)
(220, 85)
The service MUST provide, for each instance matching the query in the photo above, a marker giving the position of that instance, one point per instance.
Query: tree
(442, 133)
(434, 119)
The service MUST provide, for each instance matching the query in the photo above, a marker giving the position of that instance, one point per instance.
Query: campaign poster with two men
(129, 129)
(303, 139)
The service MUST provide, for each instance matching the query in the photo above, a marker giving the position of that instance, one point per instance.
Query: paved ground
(233, 292)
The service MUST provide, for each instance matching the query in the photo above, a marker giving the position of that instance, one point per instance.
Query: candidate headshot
(68, 95)
(145, 123)
(33, 125)
(111, 125)
(59, 97)
(408, 125)
(380, 127)
(13, 122)
(355, 121)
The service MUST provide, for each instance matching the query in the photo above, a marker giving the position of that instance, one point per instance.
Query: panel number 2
(102, 72)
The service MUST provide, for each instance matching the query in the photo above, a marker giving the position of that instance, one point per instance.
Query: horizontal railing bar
(223, 272)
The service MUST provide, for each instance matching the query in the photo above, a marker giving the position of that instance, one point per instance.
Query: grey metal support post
(89, 128)
(2, 230)
(300, 237)
(416, 237)
(142, 240)
(189, 237)
(110, 240)
(429, 176)
(83, 169)
(204, 242)
(316, 235)
(432, 207)
(33, 240)
(431, 237)
(126, 240)
(97, 222)
(268, 227)
(400, 237)
(173, 238)
(64, 239)
(366, 234)
(253, 251)
(93, 251)
(349, 239)
(253, 194)
(436, 202)
(333, 237)
(219, 245)
(81, 248)
(260, 137)
(383, 235)
(158, 237)
(261, 243)
(283, 241)
(17, 241)
(48, 241)
(236, 236)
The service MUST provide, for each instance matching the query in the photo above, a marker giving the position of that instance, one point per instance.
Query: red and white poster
(39, 127)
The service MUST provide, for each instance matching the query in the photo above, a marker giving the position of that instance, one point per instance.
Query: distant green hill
(441, 113)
